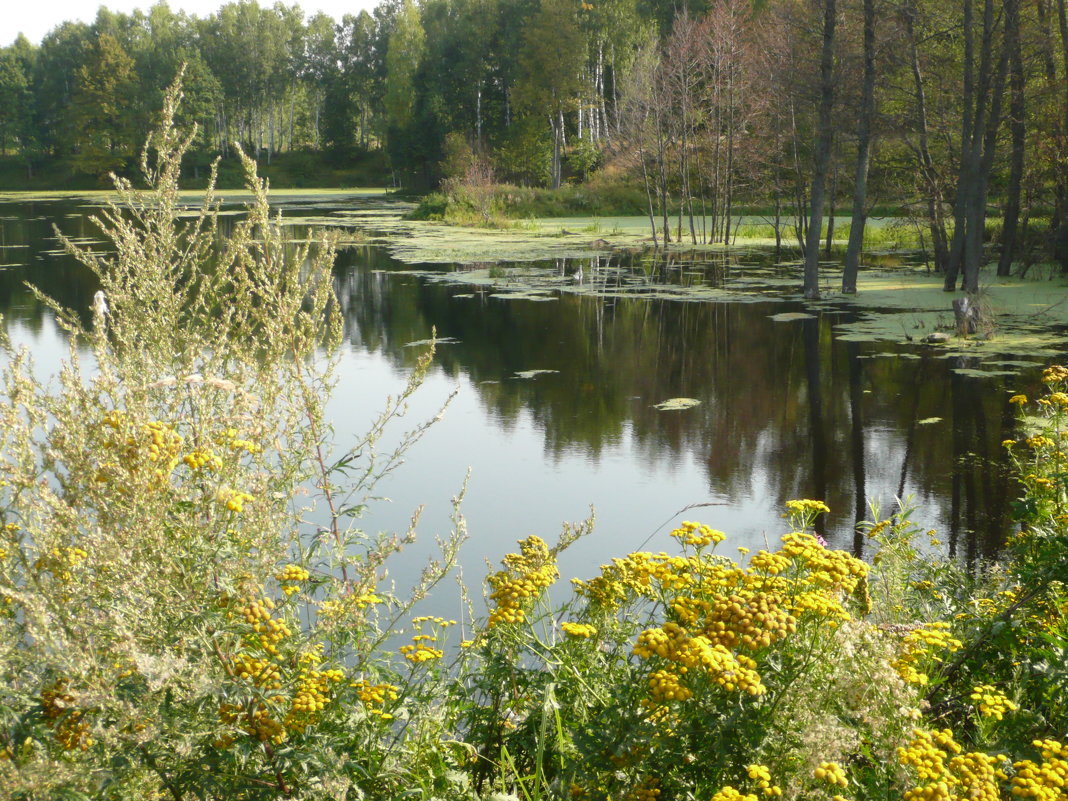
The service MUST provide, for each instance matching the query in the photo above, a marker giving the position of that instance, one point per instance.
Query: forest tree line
(954, 111)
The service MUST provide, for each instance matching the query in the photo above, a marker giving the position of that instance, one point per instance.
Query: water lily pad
(675, 404)
(786, 317)
(533, 373)
(928, 421)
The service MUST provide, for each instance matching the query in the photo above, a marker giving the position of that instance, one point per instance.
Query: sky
(35, 18)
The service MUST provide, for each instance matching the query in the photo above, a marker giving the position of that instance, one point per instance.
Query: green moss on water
(1028, 317)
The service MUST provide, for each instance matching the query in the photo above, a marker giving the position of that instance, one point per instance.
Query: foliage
(189, 609)
(102, 107)
(707, 105)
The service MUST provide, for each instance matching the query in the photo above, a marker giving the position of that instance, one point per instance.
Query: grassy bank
(599, 197)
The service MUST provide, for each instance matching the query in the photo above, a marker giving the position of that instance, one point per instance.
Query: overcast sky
(35, 18)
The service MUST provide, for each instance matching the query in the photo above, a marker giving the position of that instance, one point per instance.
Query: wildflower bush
(190, 611)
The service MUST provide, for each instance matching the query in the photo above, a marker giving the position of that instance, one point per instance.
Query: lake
(557, 378)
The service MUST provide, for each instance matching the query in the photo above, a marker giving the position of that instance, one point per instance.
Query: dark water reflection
(786, 409)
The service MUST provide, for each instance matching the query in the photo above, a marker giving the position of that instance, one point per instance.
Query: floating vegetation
(530, 373)
(522, 296)
(439, 341)
(676, 404)
(612, 258)
(928, 421)
(973, 372)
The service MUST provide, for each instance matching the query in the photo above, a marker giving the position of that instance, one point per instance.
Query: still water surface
(786, 409)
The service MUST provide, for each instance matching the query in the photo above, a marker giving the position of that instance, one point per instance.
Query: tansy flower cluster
(920, 645)
(291, 577)
(991, 703)
(233, 500)
(262, 716)
(59, 561)
(68, 723)
(578, 630)
(948, 774)
(720, 613)
(526, 575)
(1055, 373)
(311, 694)
(229, 438)
(261, 672)
(728, 793)
(1039, 441)
(664, 686)
(341, 611)
(1058, 399)
(832, 773)
(267, 631)
(830, 570)
(256, 720)
(421, 650)
(202, 459)
(151, 450)
(636, 575)
(748, 618)
(359, 599)
(803, 513)
(1046, 780)
(375, 697)
(697, 535)
(762, 777)
(697, 656)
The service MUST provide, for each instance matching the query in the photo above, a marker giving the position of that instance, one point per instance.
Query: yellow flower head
(697, 534)
(578, 630)
(1055, 374)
